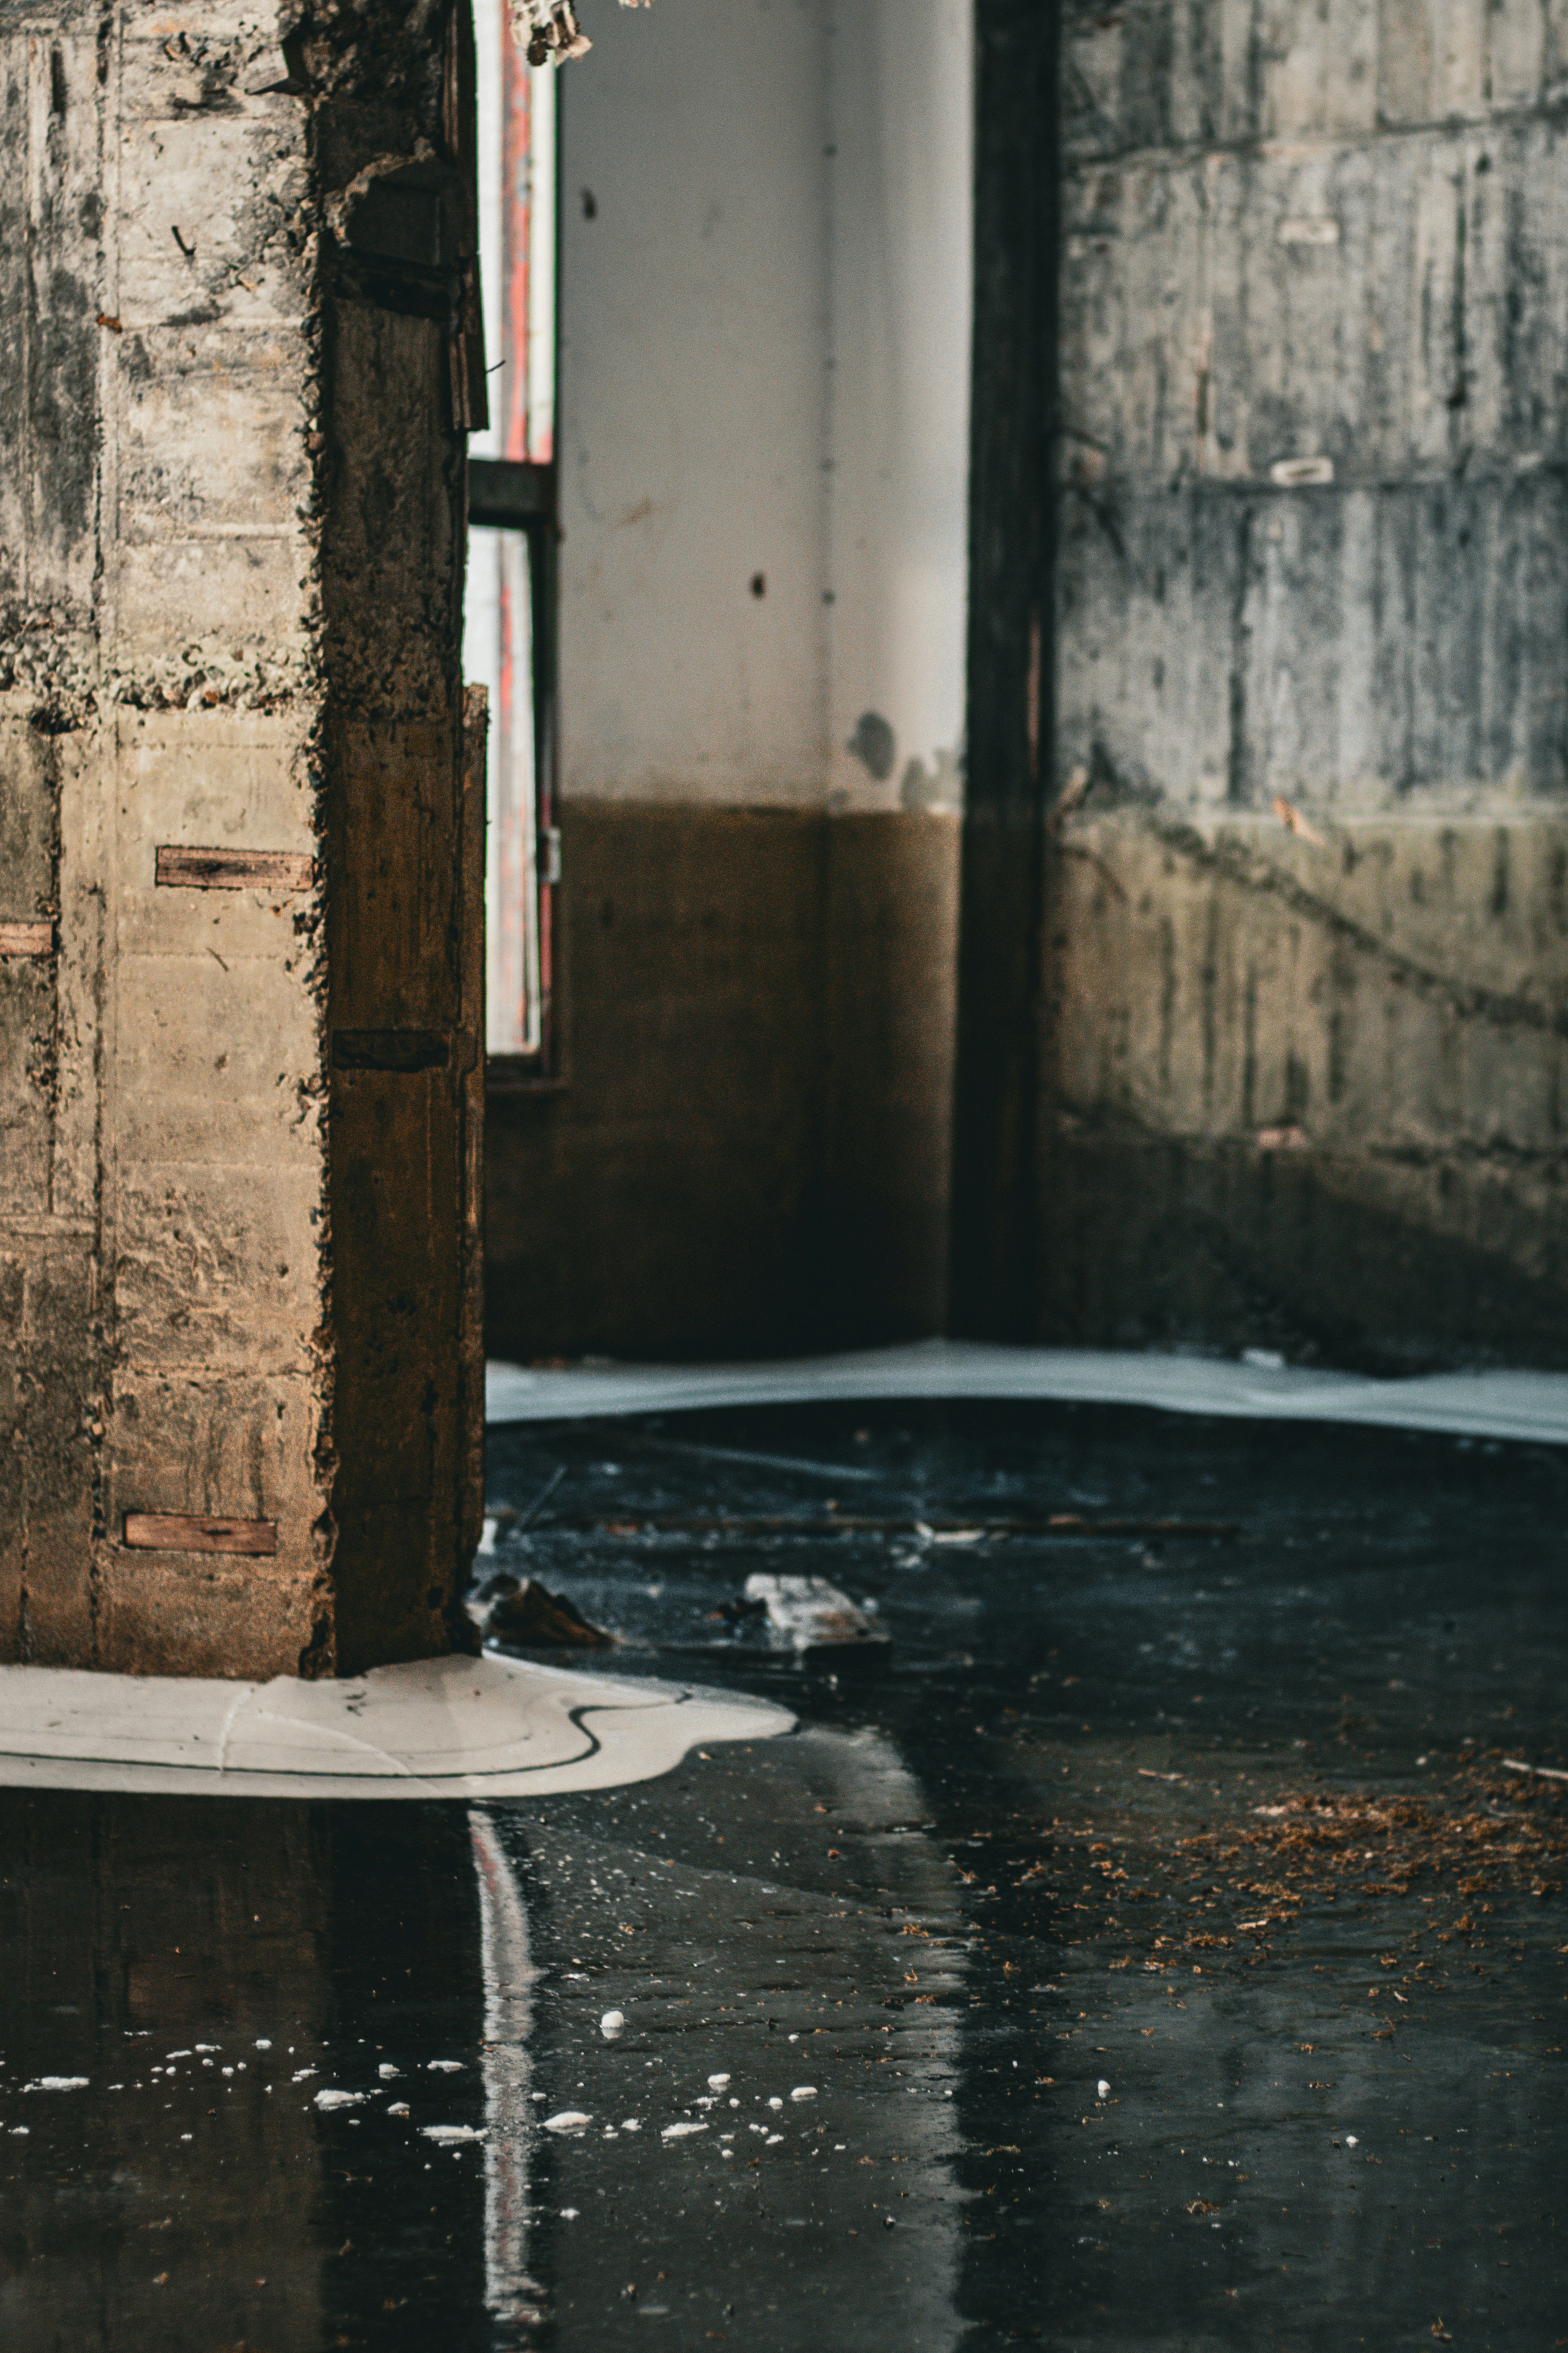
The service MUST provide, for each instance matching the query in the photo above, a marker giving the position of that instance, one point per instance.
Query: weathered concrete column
(239, 962)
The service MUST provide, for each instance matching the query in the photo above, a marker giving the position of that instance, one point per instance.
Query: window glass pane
(516, 105)
(497, 653)
(517, 167)
(517, 112)
(531, 233)
(489, 29)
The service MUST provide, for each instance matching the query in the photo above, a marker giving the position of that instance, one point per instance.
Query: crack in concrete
(1247, 872)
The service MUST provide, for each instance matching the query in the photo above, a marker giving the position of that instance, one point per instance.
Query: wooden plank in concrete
(180, 867)
(26, 939)
(184, 1531)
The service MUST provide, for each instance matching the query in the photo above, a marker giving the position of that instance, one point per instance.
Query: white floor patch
(1509, 1405)
(487, 1727)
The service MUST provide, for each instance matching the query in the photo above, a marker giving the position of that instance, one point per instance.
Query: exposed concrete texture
(232, 499)
(1310, 1096)
(1303, 1080)
(751, 1146)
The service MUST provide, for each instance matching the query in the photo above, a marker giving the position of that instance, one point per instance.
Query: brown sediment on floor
(1477, 1857)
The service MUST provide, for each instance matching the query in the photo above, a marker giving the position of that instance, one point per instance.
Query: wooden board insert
(390, 1050)
(179, 868)
(26, 939)
(190, 1532)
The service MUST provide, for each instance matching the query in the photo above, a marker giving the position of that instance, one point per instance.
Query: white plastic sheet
(455, 1727)
(1511, 1404)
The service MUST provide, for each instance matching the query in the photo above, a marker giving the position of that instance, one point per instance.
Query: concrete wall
(692, 439)
(764, 303)
(230, 503)
(1304, 1081)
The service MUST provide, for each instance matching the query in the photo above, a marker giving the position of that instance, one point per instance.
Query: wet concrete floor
(1152, 1942)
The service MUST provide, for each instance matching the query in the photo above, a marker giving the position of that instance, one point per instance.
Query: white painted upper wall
(901, 225)
(765, 333)
(693, 339)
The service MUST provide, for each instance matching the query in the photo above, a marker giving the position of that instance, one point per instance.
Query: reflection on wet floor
(1151, 1942)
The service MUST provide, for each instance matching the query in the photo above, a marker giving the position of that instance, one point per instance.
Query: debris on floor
(524, 1612)
(809, 1614)
(1448, 1867)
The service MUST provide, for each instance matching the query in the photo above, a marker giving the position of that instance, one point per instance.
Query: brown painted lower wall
(1308, 1097)
(1295, 1097)
(749, 1153)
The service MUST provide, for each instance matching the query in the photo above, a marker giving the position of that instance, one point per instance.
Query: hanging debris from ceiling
(549, 31)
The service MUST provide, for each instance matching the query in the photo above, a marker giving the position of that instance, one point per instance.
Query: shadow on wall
(749, 1152)
(1302, 1093)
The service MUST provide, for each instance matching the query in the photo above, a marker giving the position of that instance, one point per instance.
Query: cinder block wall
(1305, 1088)
(234, 1006)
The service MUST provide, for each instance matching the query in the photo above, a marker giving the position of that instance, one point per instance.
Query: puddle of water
(1108, 1961)
(318, 2050)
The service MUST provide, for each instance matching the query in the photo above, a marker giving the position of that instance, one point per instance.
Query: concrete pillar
(238, 927)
